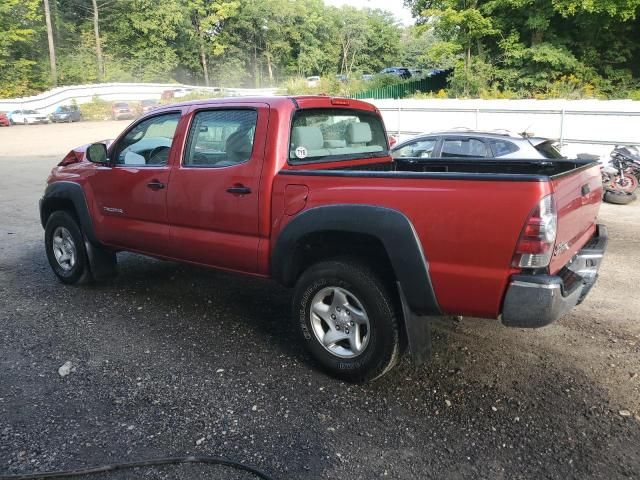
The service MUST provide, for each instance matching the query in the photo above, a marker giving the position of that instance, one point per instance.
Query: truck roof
(296, 101)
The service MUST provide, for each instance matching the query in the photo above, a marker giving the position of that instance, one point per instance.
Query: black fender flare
(73, 192)
(102, 262)
(391, 227)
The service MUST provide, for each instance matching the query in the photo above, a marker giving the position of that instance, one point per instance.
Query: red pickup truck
(303, 190)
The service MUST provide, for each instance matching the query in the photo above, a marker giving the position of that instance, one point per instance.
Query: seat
(238, 147)
(311, 139)
(358, 134)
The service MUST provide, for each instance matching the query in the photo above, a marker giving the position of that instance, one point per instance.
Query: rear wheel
(347, 319)
(628, 184)
(65, 248)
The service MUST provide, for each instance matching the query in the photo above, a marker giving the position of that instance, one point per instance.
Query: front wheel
(347, 319)
(64, 244)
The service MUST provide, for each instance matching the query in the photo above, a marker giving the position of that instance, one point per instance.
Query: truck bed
(468, 214)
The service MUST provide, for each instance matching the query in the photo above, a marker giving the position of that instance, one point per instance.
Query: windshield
(336, 134)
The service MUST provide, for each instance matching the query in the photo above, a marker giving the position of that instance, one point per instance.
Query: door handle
(155, 185)
(239, 189)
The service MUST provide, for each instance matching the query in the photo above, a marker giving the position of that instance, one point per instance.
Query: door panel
(213, 199)
(131, 195)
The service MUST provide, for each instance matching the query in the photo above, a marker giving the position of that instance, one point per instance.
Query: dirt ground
(172, 359)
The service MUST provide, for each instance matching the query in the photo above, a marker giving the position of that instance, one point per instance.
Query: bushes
(96, 109)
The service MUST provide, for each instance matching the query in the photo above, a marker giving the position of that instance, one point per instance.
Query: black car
(66, 113)
(401, 72)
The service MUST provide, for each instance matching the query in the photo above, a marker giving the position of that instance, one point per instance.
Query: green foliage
(535, 48)
(499, 48)
(96, 109)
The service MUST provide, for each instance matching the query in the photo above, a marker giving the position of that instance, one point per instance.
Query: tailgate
(578, 194)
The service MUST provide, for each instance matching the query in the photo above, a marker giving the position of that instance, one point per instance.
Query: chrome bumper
(537, 300)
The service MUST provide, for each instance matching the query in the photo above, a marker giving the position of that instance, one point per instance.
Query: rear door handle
(240, 189)
(155, 185)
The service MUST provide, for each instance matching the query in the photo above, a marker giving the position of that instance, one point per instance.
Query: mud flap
(418, 330)
(102, 263)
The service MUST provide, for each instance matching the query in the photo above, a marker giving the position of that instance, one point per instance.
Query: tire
(350, 299)
(619, 198)
(64, 244)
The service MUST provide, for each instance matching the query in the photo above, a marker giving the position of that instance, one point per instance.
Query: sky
(394, 6)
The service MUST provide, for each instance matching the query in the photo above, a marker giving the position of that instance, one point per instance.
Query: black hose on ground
(143, 463)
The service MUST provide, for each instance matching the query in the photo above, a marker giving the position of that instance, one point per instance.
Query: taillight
(538, 237)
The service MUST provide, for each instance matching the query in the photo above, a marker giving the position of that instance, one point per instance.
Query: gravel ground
(174, 360)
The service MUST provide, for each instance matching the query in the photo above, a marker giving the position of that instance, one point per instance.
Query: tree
(52, 48)
(207, 19)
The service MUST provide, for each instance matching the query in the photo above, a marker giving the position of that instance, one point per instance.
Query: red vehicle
(4, 120)
(122, 110)
(303, 190)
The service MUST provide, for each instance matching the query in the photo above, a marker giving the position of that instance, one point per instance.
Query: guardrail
(48, 101)
(579, 125)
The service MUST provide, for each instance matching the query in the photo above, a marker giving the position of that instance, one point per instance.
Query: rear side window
(464, 148)
(336, 134)
(503, 147)
(418, 149)
(220, 138)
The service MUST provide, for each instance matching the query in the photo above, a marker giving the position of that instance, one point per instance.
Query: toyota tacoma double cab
(303, 190)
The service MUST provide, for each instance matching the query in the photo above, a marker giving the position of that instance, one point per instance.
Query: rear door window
(221, 138)
(464, 148)
(336, 134)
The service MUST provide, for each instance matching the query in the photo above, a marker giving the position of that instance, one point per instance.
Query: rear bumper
(537, 300)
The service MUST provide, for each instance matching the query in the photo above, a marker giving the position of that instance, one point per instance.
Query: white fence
(48, 101)
(581, 126)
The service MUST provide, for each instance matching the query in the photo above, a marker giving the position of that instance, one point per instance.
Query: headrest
(308, 137)
(358, 133)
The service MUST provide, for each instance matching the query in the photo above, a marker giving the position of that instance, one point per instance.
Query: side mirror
(97, 153)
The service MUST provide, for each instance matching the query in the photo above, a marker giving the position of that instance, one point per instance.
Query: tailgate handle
(586, 190)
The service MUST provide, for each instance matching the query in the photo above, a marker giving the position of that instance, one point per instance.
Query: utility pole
(96, 30)
(52, 48)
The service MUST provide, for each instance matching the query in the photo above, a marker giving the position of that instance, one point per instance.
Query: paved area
(173, 360)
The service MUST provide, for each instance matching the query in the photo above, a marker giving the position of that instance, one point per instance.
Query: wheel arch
(363, 230)
(69, 196)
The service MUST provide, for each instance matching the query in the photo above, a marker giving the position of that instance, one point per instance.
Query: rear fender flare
(391, 227)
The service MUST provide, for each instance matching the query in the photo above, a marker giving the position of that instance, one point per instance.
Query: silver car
(476, 144)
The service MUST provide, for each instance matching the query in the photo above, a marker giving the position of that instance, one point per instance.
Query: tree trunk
(205, 66)
(536, 37)
(96, 31)
(270, 68)
(52, 48)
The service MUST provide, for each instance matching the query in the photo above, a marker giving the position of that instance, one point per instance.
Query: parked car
(4, 120)
(367, 77)
(465, 143)
(313, 81)
(28, 117)
(66, 113)
(373, 246)
(147, 105)
(121, 110)
(176, 93)
(401, 72)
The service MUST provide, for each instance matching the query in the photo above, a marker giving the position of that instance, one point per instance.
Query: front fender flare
(74, 193)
